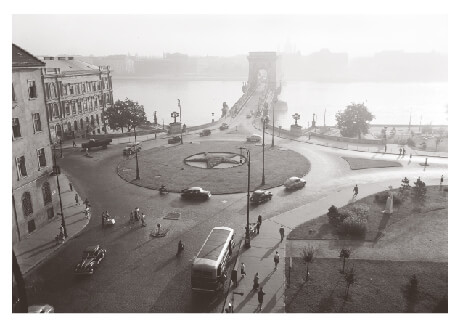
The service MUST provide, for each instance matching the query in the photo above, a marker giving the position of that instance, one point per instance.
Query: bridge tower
(267, 61)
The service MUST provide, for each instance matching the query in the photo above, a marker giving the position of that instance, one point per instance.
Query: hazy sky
(227, 35)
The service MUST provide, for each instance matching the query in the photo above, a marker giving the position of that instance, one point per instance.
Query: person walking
(403, 152)
(259, 223)
(385, 148)
(143, 221)
(276, 259)
(76, 198)
(86, 203)
(356, 191)
(282, 233)
(260, 299)
(256, 282)
(73, 144)
(242, 270)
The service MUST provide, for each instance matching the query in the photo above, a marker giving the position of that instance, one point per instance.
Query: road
(141, 273)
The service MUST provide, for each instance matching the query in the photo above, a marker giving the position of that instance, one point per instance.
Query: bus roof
(215, 243)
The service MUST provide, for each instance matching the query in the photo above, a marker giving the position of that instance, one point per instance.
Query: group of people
(137, 215)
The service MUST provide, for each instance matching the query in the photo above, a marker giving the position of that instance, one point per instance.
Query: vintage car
(205, 132)
(223, 126)
(174, 139)
(91, 257)
(132, 148)
(254, 138)
(41, 308)
(92, 143)
(260, 196)
(195, 193)
(294, 183)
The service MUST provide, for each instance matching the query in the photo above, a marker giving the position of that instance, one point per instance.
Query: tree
(405, 189)
(350, 279)
(419, 192)
(308, 256)
(344, 254)
(125, 114)
(354, 120)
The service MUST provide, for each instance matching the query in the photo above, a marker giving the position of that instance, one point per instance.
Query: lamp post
(247, 229)
(273, 119)
(57, 171)
(180, 119)
(264, 132)
(136, 154)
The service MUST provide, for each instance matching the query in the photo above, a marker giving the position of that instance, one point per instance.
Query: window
(63, 88)
(55, 110)
(84, 87)
(16, 128)
(21, 166)
(85, 107)
(14, 94)
(67, 108)
(53, 90)
(26, 204)
(74, 108)
(50, 212)
(79, 107)
(37, 123)
(41, 158)
(75, 126)
(46, 192)
(97, 119)
(32, 89)
(71, 89)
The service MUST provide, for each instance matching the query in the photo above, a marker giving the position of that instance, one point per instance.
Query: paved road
(141, 273)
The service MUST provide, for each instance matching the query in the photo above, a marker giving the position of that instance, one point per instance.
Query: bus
(209, 267)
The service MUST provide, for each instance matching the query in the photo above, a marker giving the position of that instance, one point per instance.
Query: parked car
(254, 138)
(260, 196)
(205, 132)
(92, 143)
(294, 183)
(174, 139)
(223, 126)
(195, 193)
(91, 257)
(132, 148)
(41, 308)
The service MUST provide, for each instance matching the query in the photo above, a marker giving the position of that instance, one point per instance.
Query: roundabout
(217, 166)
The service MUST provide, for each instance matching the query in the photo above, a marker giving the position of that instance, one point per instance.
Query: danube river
(391, 103)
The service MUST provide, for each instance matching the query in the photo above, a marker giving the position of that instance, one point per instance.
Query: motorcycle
(109, 221)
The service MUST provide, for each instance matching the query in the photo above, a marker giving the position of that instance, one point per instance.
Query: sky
(227, 35)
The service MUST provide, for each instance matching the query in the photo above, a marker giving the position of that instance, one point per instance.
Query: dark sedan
(174, 139)
(260, 196)
(91, 257)
(195, 193)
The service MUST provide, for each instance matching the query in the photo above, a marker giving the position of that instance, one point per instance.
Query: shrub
(353, 226)
(360, 210)
(333, 216)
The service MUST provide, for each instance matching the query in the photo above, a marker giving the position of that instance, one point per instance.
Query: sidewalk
(260, 257)
(38, 246)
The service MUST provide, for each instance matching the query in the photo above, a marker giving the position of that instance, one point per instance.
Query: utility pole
(136, 154)
(57, 171)
(180, 119)
(273, 119)
(247, 229)
(264, 132)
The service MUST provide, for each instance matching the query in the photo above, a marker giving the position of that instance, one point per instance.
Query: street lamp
(180, 119)
(57, 171)
(136, 154)
(273, 119)
(264, 132)
(247, 229)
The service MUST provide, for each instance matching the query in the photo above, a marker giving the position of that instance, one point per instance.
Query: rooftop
(22, 58)
(68, 64)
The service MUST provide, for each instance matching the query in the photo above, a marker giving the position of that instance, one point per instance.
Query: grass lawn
(379, 286)
(432, 218)
(359, 163)
(166, 166)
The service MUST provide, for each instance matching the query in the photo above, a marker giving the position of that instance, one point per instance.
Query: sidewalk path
(38, 246)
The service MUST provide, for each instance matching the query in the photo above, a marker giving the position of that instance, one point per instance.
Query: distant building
(34, 196)
(76, 95)
(119, 64)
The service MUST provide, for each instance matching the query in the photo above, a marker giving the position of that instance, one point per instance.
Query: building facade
(76, 95)
(34, 190)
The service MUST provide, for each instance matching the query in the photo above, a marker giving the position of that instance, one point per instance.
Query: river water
(391, 103)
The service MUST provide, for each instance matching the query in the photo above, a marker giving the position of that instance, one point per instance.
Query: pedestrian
(276, 259)
(260, 298)
(242, 270)
(441, 182)
(385, 148)
(282, 233)
(234, 277)
(136, 214)
(256, 282)
(403, 152)
(71, 187)
(76, 198)
(258, 225)
(260, 220)
(356, 190)
(86, 152)
(400, 151)
(73, 144)
(86, 203)
(143, 221)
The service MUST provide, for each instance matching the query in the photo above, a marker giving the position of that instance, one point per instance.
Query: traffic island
(219, 167)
